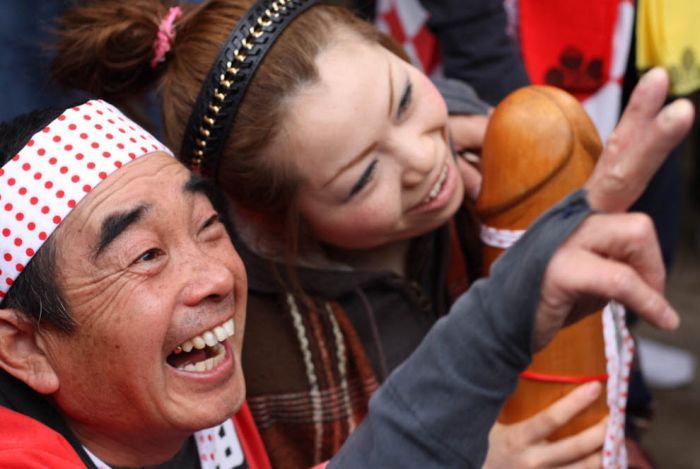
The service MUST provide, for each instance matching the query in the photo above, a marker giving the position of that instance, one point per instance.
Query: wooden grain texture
(540, 145)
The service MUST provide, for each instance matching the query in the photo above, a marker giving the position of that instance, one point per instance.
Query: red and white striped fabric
(404, 20)
(604, 105)
(55, 170)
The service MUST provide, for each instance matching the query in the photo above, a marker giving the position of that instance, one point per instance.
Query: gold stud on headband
(225, 86)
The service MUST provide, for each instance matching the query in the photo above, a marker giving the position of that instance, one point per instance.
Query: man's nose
(208, 278)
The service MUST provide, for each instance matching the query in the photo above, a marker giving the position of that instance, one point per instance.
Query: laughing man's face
(157, 290)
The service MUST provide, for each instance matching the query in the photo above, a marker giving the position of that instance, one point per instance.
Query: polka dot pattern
(55, 170)
(619, 350)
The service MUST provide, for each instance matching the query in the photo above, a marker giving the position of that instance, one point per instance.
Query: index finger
(639, 145)
(468, 131)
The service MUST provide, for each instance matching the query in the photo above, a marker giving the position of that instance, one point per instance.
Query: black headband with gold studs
(223, 90)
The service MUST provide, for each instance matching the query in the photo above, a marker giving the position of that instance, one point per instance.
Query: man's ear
(23, 352)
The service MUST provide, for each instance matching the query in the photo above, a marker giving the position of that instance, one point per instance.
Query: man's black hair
(35, 292)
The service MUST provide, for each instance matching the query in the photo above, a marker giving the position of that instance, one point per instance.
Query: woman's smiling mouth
(441, 191)
(438, 185)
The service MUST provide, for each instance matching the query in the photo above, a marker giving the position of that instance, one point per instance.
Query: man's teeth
(209, 363)
(210, 338)
(438, 185)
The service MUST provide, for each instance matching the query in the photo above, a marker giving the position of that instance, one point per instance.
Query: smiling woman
(390, 179)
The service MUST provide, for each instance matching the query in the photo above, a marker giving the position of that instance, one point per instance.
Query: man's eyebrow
(197, 184)
(115, 224)
(370, 148)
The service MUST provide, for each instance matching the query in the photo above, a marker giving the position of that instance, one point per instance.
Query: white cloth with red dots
(57, 167)
(619, 350)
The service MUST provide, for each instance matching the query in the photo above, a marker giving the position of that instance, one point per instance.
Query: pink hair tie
(161, 45)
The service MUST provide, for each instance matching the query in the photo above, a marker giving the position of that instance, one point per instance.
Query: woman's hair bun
(106, 47)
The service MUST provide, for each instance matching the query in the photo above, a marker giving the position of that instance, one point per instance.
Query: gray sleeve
(460, 97)
(437, 408)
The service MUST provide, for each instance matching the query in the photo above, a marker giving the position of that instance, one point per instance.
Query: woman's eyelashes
(404, 105)
(364, 179)
(405, 101)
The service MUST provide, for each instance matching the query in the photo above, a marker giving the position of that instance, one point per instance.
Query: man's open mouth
(202, 352)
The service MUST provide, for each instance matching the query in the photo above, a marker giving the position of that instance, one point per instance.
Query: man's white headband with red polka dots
(59, 166)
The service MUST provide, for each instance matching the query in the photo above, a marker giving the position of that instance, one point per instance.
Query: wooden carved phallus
(540, 146)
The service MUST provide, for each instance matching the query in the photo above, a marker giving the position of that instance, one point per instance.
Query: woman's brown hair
(105, 47)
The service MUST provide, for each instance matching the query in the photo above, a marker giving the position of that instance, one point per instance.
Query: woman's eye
(405, 101)
(364, 179)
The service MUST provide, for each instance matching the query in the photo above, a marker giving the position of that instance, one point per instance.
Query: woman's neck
(392, 257)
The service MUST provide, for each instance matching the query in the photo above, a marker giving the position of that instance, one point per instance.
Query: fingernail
(469, 157)
(656, 73)
(474, 193)
(675, 111)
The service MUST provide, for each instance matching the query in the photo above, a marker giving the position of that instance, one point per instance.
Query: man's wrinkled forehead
(141, 191)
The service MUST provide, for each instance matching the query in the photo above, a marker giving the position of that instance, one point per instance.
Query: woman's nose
(418, 157)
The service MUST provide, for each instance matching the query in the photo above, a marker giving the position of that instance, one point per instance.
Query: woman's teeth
(438, 185)
(209, 338)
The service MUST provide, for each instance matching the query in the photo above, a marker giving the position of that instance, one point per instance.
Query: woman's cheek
(357, 229)
(432, 96)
